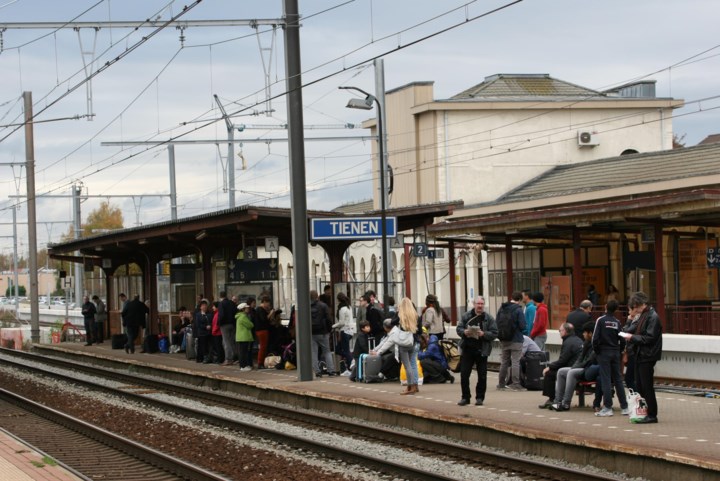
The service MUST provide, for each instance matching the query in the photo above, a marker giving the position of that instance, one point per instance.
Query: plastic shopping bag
(638, 407)
(403, 375)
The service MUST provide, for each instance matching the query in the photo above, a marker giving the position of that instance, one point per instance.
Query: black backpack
(318, 314)
(505, 322)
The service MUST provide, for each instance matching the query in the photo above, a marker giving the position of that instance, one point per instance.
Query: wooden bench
(580, 389)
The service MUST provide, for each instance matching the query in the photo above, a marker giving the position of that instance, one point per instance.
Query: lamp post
(367, 104)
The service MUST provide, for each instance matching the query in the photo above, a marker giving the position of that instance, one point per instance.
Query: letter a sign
(271, 244)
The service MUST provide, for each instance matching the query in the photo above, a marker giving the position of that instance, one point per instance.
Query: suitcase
(534, 364)
(369, 368)
(150, 344)
(189, 345)
(118, 341)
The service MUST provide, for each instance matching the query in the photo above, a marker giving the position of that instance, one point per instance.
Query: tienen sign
(352, 228)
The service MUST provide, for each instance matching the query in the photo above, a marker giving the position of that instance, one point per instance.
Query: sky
(162, 87)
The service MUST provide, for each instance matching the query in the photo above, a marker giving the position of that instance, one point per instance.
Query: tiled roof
(710, 139)
(625, 170)
(355, 207)
(525, 86)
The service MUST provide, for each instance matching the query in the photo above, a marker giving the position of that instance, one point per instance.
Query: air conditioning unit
(588, 138)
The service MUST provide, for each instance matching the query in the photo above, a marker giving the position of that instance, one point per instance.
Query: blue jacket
(433, 352)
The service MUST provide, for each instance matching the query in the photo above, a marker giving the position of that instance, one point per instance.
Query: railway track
(88, 450)
(450, 451)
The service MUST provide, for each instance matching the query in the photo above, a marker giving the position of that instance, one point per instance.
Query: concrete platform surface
(688, 431)
(20, 462)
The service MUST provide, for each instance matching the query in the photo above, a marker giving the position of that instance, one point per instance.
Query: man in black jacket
(226, 321)
(321, 327)
(133, 315)
(477, 331)
(512, 346)
(607, 344)
(569, 353)
(644, 337)
(88, 311)
(580, 316)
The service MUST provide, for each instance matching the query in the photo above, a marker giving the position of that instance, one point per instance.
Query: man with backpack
(511, 324)
(321, 327)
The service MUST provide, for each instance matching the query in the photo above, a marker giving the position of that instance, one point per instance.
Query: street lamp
(367, 104)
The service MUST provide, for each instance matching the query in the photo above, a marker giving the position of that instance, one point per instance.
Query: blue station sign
(352, 228)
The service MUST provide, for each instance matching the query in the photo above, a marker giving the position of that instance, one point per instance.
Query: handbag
(272, 361)
(638, 407)
(405, 339)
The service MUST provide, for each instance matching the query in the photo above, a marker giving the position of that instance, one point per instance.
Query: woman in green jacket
(243, 335)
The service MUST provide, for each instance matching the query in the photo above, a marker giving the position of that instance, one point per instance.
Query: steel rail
(458, 451)
(162, 461)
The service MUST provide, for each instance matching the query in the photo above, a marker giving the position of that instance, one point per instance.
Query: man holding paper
(477, 330)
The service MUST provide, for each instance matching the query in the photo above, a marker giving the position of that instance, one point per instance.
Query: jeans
(99, 331)
(510, 359)
(344, 350)
(228, 340)
(321, 341)
(89, 330)
(567, 377)
(132, 334)
(644, 381)
(540, 341)
(408, 358)
(610, 374)
(468, 360)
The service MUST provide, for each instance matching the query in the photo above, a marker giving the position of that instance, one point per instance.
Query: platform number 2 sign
(420, 249)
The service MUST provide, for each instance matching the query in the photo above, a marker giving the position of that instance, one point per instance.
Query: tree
(10, 291)
(678, 141)
(104, 218)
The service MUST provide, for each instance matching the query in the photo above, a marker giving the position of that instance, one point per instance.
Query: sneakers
(516, 388)
(501, 387)
(245, 369)
(625, 411)
(559, 407)
(604, 412)
(346, 373)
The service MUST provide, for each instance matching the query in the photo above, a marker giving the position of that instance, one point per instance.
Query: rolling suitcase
(534, 363)
(189, 344)
(369, 368)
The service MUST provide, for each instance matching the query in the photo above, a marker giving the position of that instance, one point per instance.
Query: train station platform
(21, 462)
(685, 444)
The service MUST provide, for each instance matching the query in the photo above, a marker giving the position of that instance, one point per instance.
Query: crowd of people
(406, 343)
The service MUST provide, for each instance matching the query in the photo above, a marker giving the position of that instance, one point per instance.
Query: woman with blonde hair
(404, 337)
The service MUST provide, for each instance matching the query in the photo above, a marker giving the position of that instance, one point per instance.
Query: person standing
(607, 344)
(244, 336)
(100, 318)
(477, 330)
(529, 311)
(511, 339)
(593, 295)
(88, 312)
(644, 337)
(408, 325)
(226, 321)
(373, 314)
(321, 327)
(346, 325)
(262, 328)
(432, 318)
(542, 321)
(202, 327)
(133, 315)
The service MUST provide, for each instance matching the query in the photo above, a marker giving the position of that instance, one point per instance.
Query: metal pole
(15, 259)
(32, 226)
(231, 166)
(173, 191)
(76, 190)
(298, 195)
(387, 265)
(383, 205)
